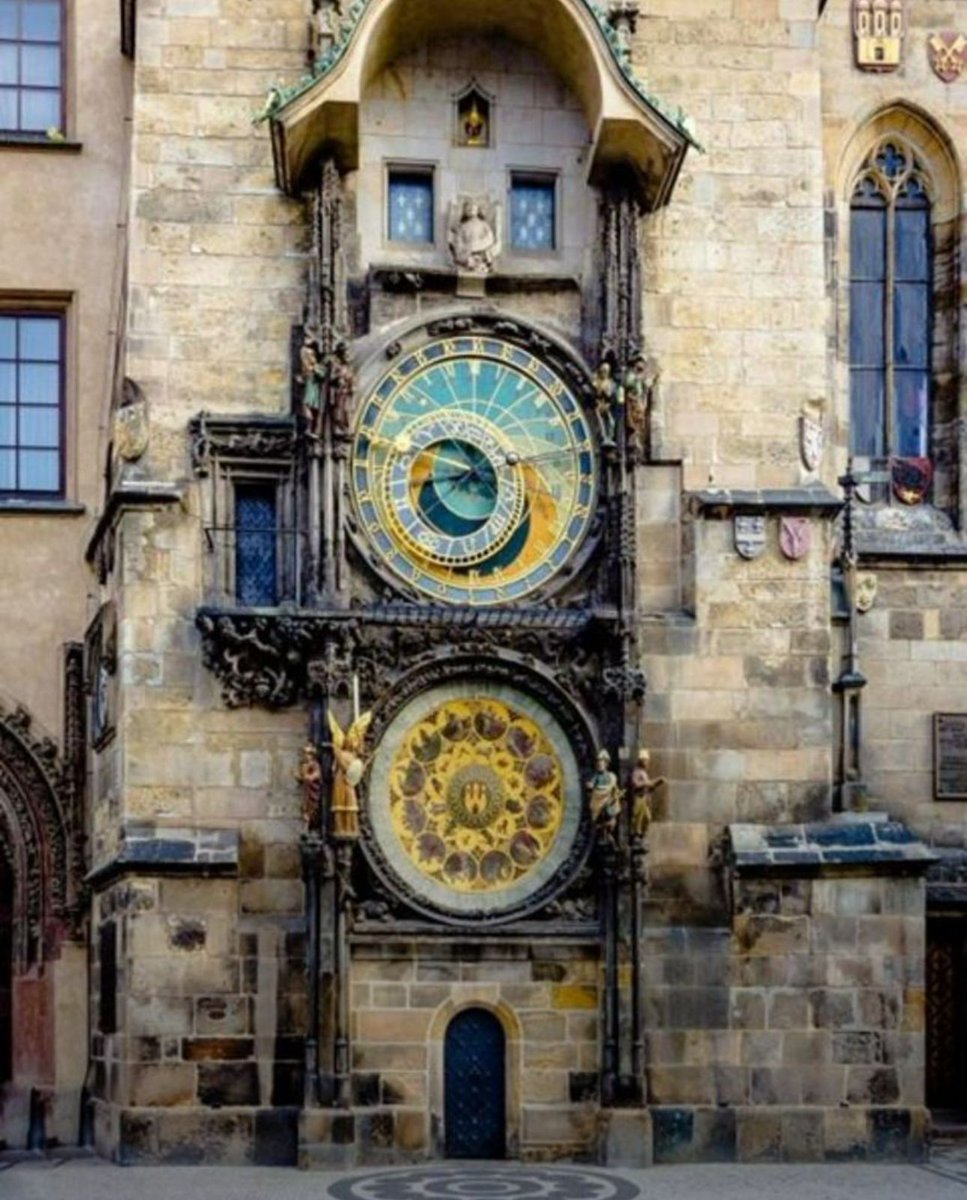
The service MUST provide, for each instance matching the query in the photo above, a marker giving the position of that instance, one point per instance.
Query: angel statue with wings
(349, 767)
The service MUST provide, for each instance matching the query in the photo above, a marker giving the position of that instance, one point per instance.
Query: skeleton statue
(349, 766)
(605, 395)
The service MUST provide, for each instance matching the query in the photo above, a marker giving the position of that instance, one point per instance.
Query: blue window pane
(39, 383)
(532, 215)
(8, 470)
(8, 108)
(913, 244)
(912, 414)
(39, 111)
(8, 425)
(39, 471)
(8, 63)
(892, 161)
(40, 21)
(868, 243)
(40, 338)
(38, 427)
(410, 207)
(8, 383)
(867, 431)
(8, 18)
(866, 335)
(40, 66)
(8, 337)
(912, 324)
(256, 569)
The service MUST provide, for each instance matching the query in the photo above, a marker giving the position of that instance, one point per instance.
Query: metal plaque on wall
(950, 756)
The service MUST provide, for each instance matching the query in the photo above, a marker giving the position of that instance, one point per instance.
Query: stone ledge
(816, 501)
(131, 494)
(842, 847)
(149, 850)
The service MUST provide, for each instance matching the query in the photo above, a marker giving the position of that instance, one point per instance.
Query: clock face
(474, 471)
(474, 797)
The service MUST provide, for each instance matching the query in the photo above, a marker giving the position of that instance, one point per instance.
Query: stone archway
(40, 871)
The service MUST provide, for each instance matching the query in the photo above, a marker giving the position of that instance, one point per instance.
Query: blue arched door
(475, 1086)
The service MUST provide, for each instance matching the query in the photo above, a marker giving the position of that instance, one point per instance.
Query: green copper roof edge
(280, 98)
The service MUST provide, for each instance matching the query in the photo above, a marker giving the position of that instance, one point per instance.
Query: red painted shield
(948, 54)
(795, 537)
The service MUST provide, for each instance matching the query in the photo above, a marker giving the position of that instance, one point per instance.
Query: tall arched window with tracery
(891, 286)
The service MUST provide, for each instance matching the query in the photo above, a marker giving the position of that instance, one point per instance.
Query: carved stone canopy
(630, 130)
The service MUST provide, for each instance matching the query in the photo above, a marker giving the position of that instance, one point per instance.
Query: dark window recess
(31, 403)
(31, 66)
(410, 203)
(891, 281)
(107, 953)
(256, 545)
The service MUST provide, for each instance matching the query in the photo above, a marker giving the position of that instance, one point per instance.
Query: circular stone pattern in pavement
(485, 1182)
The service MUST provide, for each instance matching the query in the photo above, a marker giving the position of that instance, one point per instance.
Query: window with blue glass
(410, 202)
(533, 212)
(31, 404)
(31, 66)
(256, 545)
(891, 282)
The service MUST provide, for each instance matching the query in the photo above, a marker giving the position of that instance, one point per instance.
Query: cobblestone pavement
(87, 1179)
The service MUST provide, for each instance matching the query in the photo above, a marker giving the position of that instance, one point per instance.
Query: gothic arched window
(891, 285)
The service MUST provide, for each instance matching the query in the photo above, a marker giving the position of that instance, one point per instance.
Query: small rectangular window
(31, 65)
(533, 212)
(410, 205)
(107, 1017)
(256, 545)
(31, 403)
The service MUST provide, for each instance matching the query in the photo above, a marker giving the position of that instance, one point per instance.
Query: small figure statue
(342, 391)
(131, 425)
(348, 770)
(605, 796)
(605, 392)
(640, 382)
(642, 786)
(866, 589)
(473, 238)
(309, 775)
(311, 375)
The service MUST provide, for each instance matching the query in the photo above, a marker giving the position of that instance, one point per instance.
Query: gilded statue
(348, 769)
(642, 787)
(309, 775)
(605, 796)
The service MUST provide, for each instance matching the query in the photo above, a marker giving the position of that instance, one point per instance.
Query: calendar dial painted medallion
(474, 471)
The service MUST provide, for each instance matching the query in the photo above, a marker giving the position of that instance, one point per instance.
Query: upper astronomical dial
(474, 471)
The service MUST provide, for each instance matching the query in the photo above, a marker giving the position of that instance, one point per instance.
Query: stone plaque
(950, 756)
(750, 536)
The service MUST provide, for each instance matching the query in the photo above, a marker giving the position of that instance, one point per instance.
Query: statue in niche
(642, 787)
(812, 435)
(473, 119)
(473, 234)
(605, 397)
(342, 390)
(309, 775)
(640, 388)
(131, 430)
(349, 766)
(604, 795)
(312, 375)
